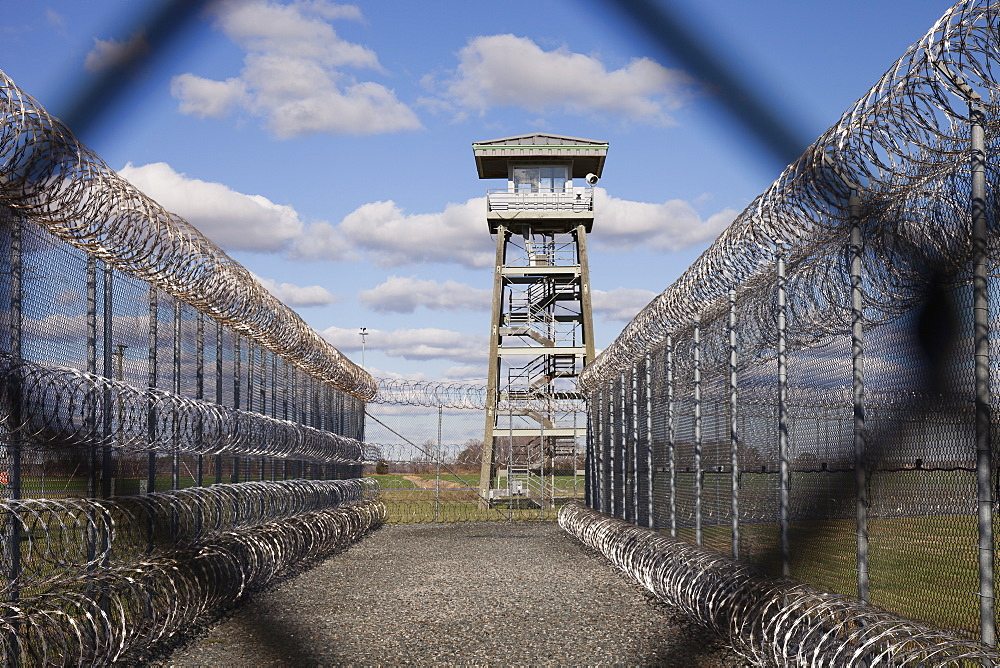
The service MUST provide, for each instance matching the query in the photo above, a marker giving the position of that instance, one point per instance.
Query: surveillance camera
(592, 179)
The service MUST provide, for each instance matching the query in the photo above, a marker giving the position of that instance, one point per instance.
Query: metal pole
(671, 436)
(437, 475)
(218, 390)
(612, 447)
(697, 430)
(107, 486)
(175, 459)
(858, 384)
(236, 397)
(649, 441)
(980, 299)
(600, 426)
(199, 393)
(734, 441)
(151, 384)
(784, 480)
(588, 458)
(13, 533)
(92, 368)
(635, 442)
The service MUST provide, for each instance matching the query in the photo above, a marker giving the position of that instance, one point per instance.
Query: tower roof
(493, 155)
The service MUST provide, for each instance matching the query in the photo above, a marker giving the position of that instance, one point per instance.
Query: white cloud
(621, 303)
(112, 53)
(231, 219)
(298, 295)
(456, 235)
(671, 226)
(295, 73)
(403, 295)
(207, 97)
(506, 70)
(321, 241)
(414, 344)
(391, 237)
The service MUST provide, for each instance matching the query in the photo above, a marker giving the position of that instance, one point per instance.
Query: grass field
(923, 568)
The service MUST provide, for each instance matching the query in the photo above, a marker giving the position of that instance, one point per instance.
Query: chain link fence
(431, 463)
(814, 396)
(171, 437)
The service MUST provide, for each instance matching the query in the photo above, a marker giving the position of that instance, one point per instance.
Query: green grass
(923, 568)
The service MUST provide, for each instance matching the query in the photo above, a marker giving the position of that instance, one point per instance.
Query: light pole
(364, 333)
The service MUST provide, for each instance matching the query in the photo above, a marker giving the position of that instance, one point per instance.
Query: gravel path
(472, 593)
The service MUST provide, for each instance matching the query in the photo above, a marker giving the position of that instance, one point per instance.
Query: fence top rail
(56, 182)
(899, 148)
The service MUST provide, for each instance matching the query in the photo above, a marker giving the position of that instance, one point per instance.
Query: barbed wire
(900, 147)
(64, 407)
(770, 621)
(463, 396)
(63, 186)
(124, 572)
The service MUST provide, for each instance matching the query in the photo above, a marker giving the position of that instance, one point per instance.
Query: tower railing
(568, 199)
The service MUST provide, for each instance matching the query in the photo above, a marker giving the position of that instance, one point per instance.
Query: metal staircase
(542, 322)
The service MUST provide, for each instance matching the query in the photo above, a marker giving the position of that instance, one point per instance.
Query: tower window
(540, 179)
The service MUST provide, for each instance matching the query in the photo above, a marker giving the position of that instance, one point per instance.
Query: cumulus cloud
(206, 97)
(321, 241)
(621, 303)
(112, 53)
(232, 220)
(296, 73)
(457, 235)
(403, 295)
(414, 344)
(506, 70)
(393, 237)
(298, 295)
(670, 226)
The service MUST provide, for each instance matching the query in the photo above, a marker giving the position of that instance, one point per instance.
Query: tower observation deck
(541, 331)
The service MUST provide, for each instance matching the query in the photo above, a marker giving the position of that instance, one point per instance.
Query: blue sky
(327, 146)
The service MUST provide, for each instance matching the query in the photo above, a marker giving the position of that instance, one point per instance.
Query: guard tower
(541, 334)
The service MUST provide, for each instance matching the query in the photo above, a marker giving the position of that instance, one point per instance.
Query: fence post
(175, 458)
(14, 405)
(622, 450)
(612, 459)
(588, 457)
(108, 427)
(635, 442)
(858, 386)
(602, 455)
(237, 354)
(784, 478)
(218, 390)
(199, 393)
(151, 384)
(671, 436)
(437, 476)
(92, 368)
(697, 429)
(981, 321)
(734, 441)
(649, 441)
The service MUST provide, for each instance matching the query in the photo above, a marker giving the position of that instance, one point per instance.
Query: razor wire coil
(156, 564)
(770, 621)
(67, 407)
(902, 147)
(459, 395)
(63, 186)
